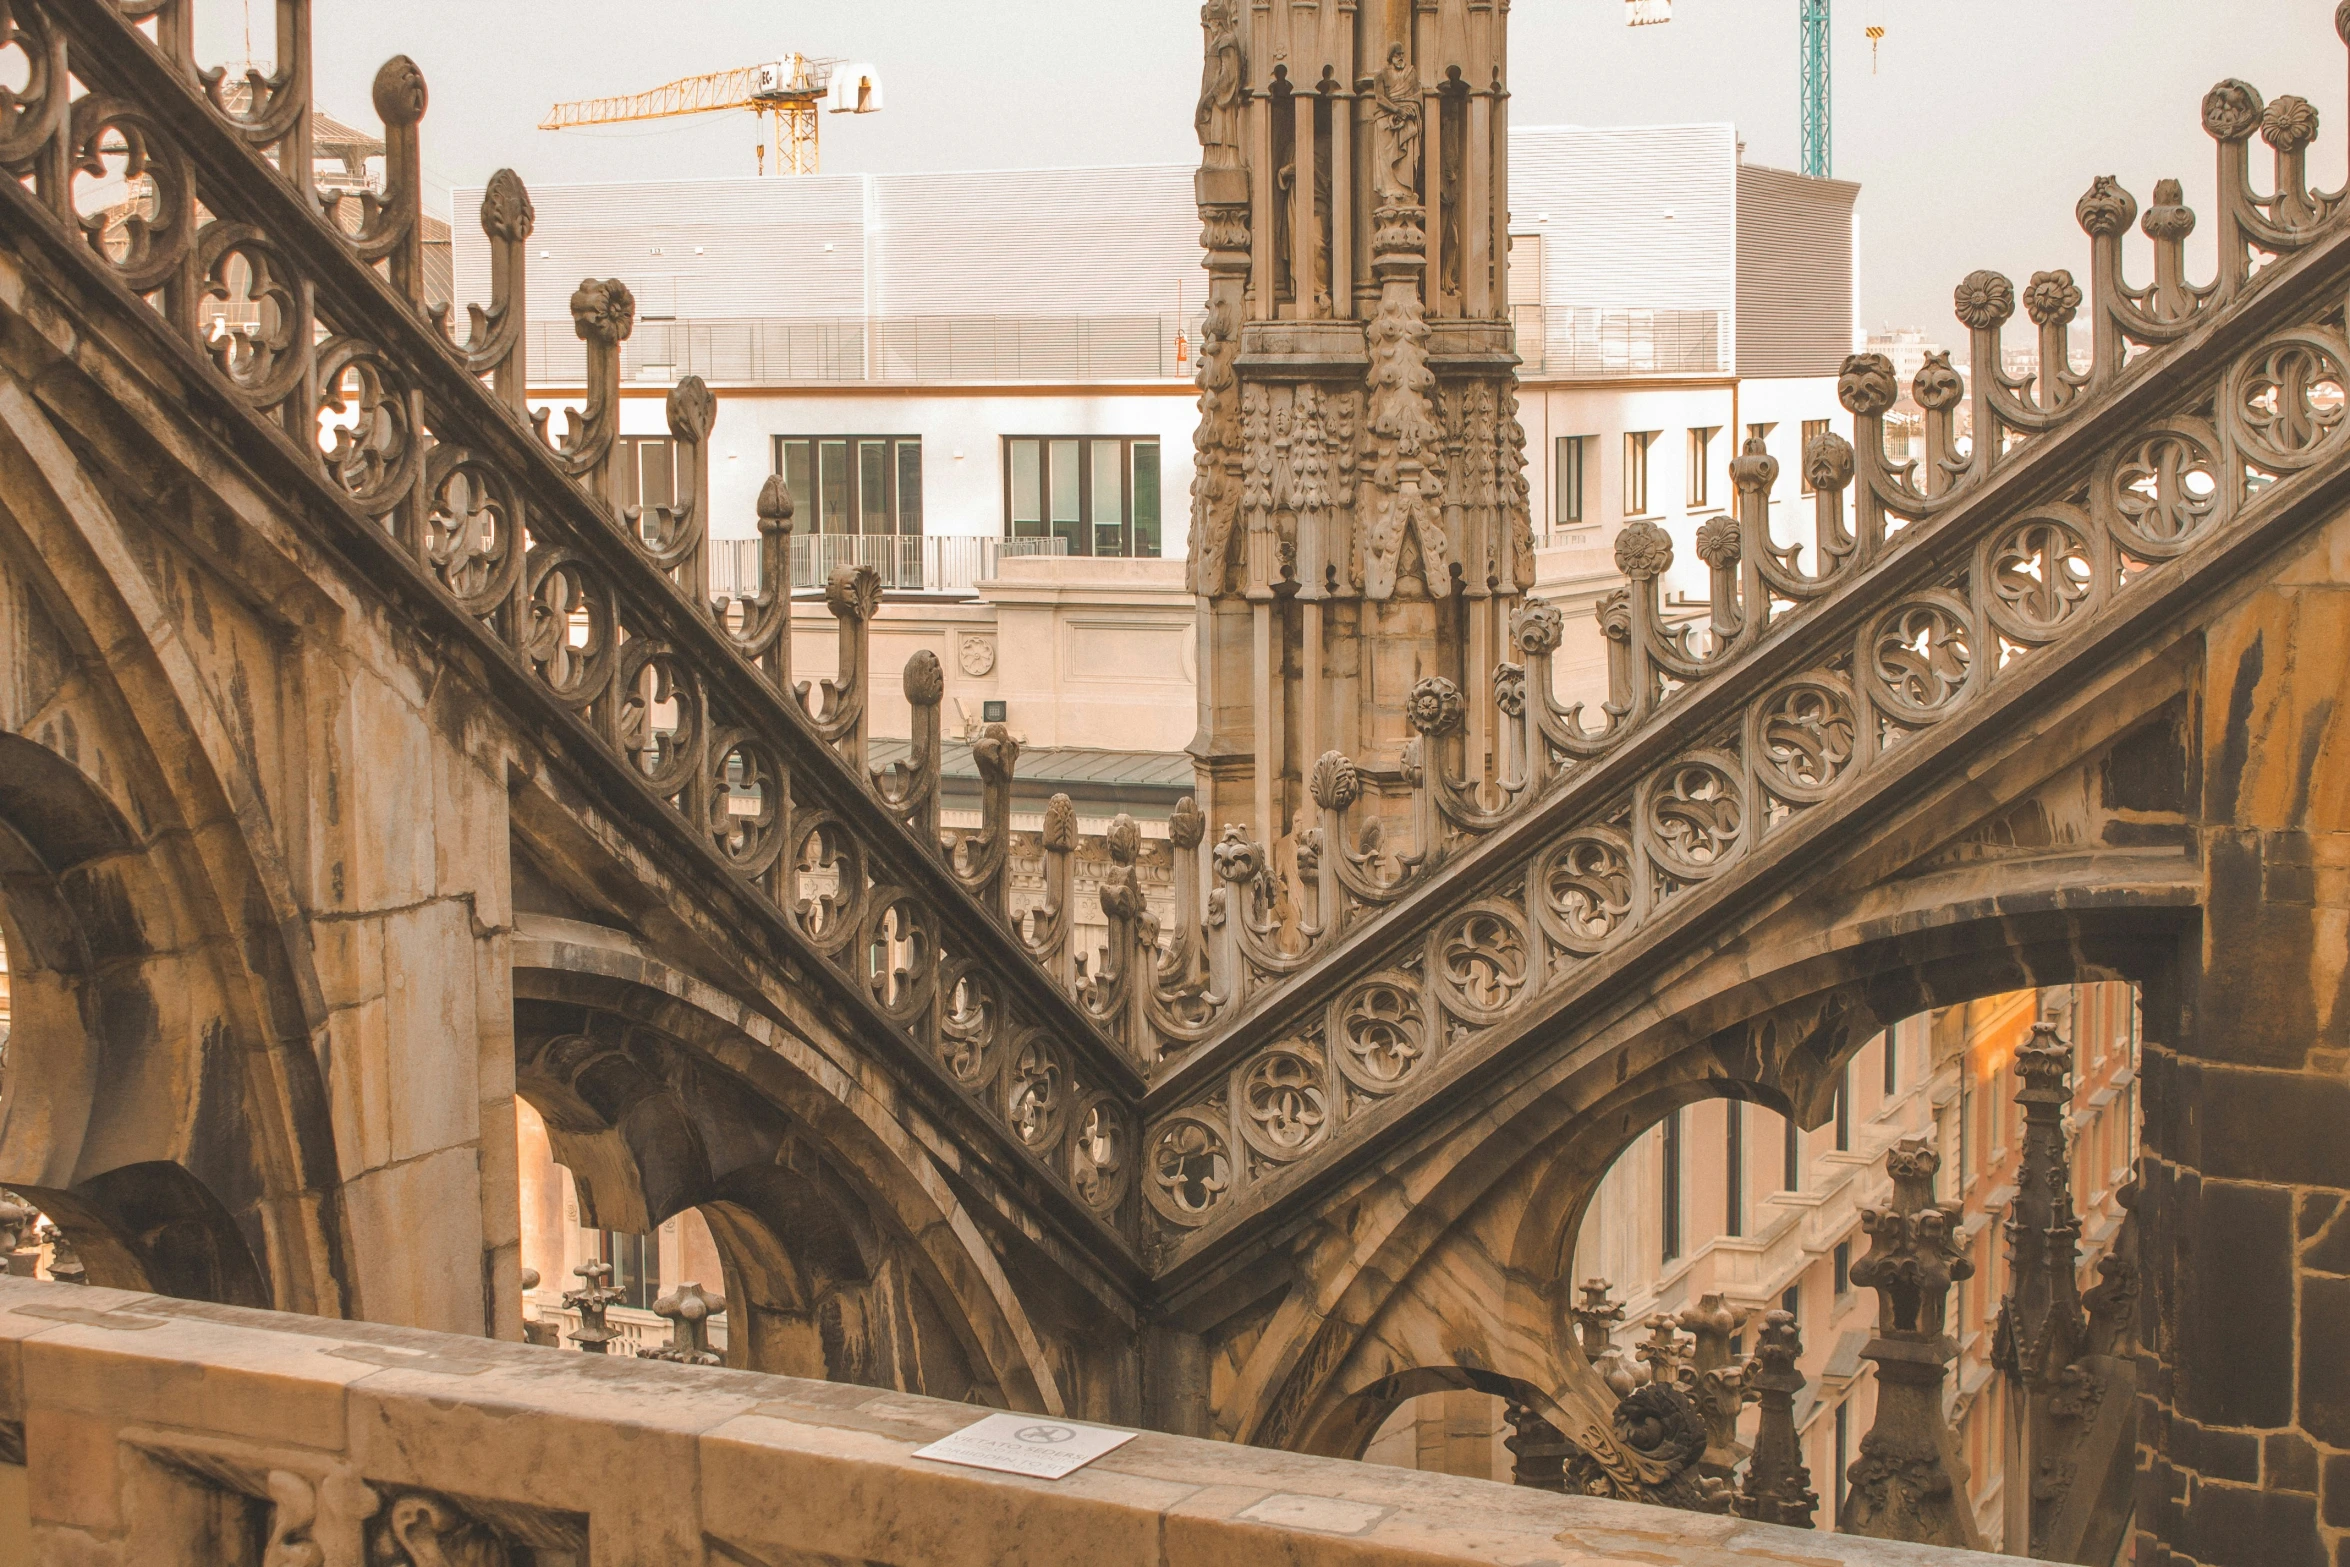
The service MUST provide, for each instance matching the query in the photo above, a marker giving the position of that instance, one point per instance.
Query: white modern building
(1006, 355)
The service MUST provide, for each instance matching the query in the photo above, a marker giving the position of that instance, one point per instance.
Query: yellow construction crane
(787, 93)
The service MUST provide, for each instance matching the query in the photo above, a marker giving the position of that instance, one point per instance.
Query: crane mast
(1819, 159)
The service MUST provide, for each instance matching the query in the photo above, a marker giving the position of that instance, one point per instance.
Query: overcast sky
(1980, 125)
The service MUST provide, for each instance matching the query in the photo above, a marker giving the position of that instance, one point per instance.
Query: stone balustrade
(165, 1432)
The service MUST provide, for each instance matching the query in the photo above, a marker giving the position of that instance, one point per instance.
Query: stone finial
(1778, 1485)
(1662, 1351)
(603, 313)
(691, 408)
(65, 1264)
(1509, 688)
(1538, 627)
(591, 1300)
(853, 592)
(1643, 550)
(1983, 300)
(1187, 824)
(1718, 542)
(2052, 298)
(1828, 461)
(1434, 706)
(1866, 385)
(1937, 387)
(689, 1309)
(1060, 825)
(2232, 110)
(399, 91)
(1237, 859)
(775, 505)
(1124, 839)
(1754, 469)
(2105, 208)
(925, 679)
(2169, 218)
(1334, 783)
(996, 753)
(506, 212)
(2289, 124)
(530, 1280)
(16, 1216)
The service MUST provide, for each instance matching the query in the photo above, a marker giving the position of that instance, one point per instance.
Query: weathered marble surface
(141, 1418)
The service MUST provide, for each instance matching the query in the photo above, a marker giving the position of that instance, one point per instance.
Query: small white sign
(1026, 1445)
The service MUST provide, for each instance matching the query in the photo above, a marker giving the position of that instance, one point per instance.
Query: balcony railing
(1591, 344)
(906, 563)
(762, 351)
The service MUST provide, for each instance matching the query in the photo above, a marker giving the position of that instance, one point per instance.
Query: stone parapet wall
(164, 1432)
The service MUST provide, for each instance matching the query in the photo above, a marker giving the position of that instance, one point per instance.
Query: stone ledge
(124, 1396)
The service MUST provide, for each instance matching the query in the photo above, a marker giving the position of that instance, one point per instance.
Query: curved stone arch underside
(850, 1253)
(1459, 1254)
(164, 1099)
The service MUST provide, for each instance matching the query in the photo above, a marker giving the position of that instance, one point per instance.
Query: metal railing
(886, 349)
(906, 563)
(1593, 344)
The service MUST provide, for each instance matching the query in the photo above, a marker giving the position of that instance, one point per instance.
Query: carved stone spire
(1909, 1482)
(1778, 1486)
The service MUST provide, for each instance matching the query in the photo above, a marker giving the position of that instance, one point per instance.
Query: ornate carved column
(1358, 507)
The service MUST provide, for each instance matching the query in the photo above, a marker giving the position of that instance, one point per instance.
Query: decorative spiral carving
(1035, 1085)
(1284, 1110)
(2289, 124)
(968, 1024)
(1804, 737)
(1718, 542)
(2052, 298)
(746, 801)
(2285, 401)
(1696, 817)
(1481, 955)
(2041, 573)
(2166, 490)
(1101, 1154)
(900, 958)
(1583, 889)
(1921, 655)
(1936, 386)
(472, 529)
(1190, 1168)
(603, 312)
(1538, 627)
(1334, 783)
(1381, 1033)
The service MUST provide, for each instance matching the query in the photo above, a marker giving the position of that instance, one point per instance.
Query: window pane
(1062, 491)
(629, 488)
(656, 473)
(1108, 504)
(1027, 458)
(833, 465)
(909, 486)
(1567, 479)
(873, 486)
(1146, 497)
(797, 458)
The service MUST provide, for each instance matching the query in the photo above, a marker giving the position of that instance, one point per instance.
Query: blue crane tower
(1818, 141)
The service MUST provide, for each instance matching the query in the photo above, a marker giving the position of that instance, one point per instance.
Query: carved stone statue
(1395, 167)
(1217, 119)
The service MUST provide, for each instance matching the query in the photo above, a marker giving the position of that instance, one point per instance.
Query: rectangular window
(1843, 1268)
(1734, 1169)
(1761, 432)
(1791, 1170)
(1672, 1185)
(1097, 493)
(1146, 498)
(1844, 1111)
(1890, 1043)
(1701, 444)
(1567, 479)
(1843, 1455)
(1791, 1302)
(648, 471)
(636, 1267)
(1636, 445)
(852, 484)
(1812, 430)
